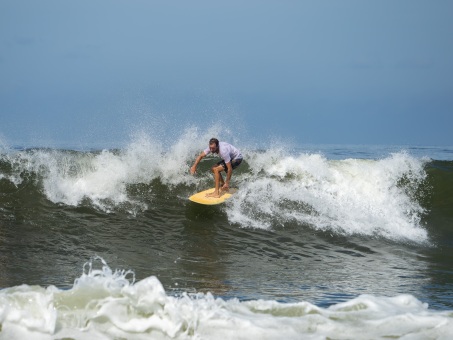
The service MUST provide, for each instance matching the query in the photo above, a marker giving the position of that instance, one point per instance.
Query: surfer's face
(213, 147)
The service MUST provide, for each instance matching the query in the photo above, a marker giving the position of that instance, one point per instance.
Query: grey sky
(377, 72)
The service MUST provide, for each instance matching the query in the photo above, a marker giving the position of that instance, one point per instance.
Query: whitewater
(109, 305)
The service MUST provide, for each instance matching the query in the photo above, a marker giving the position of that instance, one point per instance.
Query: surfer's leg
(216, 170)
(224, 168)
(221, 181)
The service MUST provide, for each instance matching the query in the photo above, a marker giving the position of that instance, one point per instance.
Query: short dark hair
(214, 141)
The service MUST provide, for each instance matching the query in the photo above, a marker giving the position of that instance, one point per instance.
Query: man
(231, 158)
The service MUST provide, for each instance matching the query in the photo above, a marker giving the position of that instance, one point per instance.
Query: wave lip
(102, 178)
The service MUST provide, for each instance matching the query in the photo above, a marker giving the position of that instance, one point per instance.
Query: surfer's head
(214, 144)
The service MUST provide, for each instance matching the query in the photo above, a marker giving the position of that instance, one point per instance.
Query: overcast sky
(327, 72)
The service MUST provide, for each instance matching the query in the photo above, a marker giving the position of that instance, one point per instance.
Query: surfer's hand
(193, 170)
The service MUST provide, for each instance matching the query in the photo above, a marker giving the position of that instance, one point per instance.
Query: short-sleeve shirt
(226, 151)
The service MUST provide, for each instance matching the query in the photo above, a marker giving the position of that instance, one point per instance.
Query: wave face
(382, 197)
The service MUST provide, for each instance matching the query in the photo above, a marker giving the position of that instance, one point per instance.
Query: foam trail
(352, 196)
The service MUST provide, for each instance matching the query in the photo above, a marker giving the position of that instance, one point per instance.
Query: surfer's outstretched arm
(193, 169)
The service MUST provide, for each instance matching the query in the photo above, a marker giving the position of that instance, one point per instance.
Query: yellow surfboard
(202, 199)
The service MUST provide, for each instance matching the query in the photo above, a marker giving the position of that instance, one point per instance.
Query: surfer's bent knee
(215, 169)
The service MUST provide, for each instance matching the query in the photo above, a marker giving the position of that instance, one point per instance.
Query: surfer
(231, 159)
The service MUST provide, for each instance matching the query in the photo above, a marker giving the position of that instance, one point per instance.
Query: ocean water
(320, 241)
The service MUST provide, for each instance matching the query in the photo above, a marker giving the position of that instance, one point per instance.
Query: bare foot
(213, 194)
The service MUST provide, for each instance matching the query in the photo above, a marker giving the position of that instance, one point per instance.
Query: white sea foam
(352, 196)
(106, 304)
